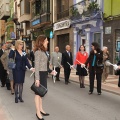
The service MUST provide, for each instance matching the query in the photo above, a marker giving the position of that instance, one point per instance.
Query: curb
(96, 87)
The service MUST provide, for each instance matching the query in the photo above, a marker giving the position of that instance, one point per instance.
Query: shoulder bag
(101, 65)
(41, 90)
(11, 62)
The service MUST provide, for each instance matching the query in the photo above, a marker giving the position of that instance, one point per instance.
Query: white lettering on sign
(62, 25)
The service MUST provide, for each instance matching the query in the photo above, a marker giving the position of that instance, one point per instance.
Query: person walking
(32, 57)
(21, 61)
(41, 72)
(66, 60)
(3, 72)
(55, 61)
(81, 58)
(106, 67)
(95, 61)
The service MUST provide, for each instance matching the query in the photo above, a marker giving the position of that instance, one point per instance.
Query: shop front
(63, 35)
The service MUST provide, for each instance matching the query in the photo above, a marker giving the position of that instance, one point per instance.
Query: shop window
(117, 42)
(97, 38)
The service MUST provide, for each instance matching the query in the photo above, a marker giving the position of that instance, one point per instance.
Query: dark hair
(39, 43)
(81, 46)
(96, 46)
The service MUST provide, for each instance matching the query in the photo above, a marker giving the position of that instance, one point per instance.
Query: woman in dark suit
(95, 60)
(20, 68)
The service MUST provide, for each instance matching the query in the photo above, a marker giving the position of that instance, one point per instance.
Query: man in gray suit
(55, 60)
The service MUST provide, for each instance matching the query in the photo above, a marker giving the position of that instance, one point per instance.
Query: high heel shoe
(39, 118)
(21, 100)
(44, 114)
(16, 100)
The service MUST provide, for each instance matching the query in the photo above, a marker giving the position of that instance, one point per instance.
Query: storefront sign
(35, 22)
(62, 25)
(51, 34)
(107, 30)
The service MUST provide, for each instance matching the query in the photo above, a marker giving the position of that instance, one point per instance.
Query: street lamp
(17, 30)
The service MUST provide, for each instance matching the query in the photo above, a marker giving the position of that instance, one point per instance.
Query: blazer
(99, 59)
(55, 58)
(21, 61)
(66, 58)
(41, 63)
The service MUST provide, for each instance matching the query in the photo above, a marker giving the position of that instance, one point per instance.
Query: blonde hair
(17, 42)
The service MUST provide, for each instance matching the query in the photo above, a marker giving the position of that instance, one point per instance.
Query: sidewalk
(110, 86)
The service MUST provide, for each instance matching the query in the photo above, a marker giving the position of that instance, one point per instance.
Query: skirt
(81, 71)
(43, 78)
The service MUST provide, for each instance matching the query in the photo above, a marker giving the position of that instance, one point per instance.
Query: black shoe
(2, 85)
(39, 118)
(16, 100)
(12, 93)
(66, 83)
(90, 92)
(83, 86)
(80, 85)
(21, 100)
(99, 93)
(8, 89)
(58, 80)
(45, 114)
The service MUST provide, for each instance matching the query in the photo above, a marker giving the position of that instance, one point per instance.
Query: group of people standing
(40, 60)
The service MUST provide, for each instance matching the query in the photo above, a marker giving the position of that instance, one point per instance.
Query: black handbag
(100, 65)
(117, 72)
(41, 90)
(11, 63)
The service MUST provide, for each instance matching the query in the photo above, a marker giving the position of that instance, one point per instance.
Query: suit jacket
(66, 58)
(99, 59)
(55, 58)
(21, 61)
(1, 65)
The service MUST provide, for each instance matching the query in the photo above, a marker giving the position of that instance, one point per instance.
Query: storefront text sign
(62, 25)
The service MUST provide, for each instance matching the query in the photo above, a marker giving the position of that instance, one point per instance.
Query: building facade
(63, 32)
(86, 19)
(112, 29)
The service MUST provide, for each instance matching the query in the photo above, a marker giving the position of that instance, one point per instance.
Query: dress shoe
(99, 93)
(16, 100)
(39, 118)
(45, 114)
(2, 85)
(90, 92)
(12, 93)
(80, 85)
(66, 83)
(57, 79)
(21, 100)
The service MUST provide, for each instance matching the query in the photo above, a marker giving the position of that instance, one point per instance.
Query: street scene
(59, 59)
(62, 102)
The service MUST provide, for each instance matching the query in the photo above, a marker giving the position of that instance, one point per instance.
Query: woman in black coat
(95, 60)
(21, 61)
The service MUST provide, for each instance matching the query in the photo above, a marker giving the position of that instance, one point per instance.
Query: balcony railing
(45, 17)
(83, 8)
(63, 14)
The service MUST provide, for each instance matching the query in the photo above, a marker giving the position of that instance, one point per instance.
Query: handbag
(117, 72)
(41, 90)
(101, 65)
(11, 63)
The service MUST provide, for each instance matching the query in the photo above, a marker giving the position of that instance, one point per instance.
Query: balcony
(25, 18)
(83, 10)
(63, 14)
(4, 11)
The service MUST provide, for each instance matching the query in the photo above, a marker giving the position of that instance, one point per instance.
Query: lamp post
(17, 30)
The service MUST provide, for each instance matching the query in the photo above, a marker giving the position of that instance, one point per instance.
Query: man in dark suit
(3, 73)
(32, 58)
(67, 58)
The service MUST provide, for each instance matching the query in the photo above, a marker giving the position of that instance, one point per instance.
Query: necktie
(69, 54)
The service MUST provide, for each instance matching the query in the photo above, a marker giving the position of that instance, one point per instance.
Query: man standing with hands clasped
(66, 62)
(55, 61)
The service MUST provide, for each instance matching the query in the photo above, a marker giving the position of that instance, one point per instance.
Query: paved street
(63, 102)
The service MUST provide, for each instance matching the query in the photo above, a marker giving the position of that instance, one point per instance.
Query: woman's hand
(53, 73)
(37, 83)
(95, 51)
(32, 69)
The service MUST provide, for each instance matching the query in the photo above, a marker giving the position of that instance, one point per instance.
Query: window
(33, 10)
(97, 38)
(38, 5)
